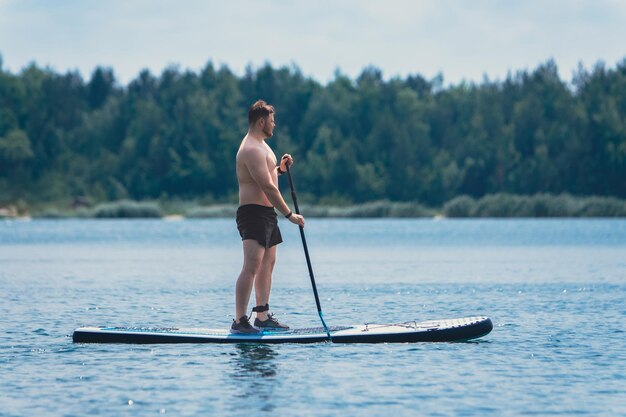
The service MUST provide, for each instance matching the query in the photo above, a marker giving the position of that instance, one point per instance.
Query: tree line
(175, 135)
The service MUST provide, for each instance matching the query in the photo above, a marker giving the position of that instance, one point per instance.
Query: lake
(554, 288)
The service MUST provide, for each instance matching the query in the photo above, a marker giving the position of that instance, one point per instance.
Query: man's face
(268, 125)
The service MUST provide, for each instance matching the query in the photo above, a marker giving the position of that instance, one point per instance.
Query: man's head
(261, 116)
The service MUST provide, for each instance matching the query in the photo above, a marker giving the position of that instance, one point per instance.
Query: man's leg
(253, 254)
(263, 280)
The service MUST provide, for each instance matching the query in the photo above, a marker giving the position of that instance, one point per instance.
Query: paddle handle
(306, 253)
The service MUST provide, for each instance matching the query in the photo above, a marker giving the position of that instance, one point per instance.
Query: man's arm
(256, 162)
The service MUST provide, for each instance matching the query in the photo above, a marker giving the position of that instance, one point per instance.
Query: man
(257, 174)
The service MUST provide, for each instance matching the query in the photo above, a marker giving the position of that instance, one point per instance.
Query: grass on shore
(538, 205)
(493, 205)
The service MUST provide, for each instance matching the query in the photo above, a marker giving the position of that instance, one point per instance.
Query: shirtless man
(257, 174)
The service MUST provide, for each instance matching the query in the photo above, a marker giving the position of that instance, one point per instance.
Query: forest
(174, 136)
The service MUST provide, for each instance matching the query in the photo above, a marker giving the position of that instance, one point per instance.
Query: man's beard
(267, 131)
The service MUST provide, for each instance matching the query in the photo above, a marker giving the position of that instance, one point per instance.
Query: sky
(463, 40)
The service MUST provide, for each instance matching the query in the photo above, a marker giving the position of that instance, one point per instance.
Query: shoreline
(489, 206)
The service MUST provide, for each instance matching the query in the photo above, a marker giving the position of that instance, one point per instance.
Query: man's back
(254, 157)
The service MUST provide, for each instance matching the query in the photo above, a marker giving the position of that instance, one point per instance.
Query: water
(555, 290)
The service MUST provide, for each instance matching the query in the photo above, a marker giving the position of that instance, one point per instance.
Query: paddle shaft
(306, 253)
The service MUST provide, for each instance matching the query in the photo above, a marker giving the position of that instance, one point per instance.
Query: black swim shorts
(259, 223)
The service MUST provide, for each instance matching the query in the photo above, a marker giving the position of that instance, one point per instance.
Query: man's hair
(259, 110)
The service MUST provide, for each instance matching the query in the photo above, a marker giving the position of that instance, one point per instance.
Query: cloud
(462, 39)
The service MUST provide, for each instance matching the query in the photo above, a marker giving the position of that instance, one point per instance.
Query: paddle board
(447, 330)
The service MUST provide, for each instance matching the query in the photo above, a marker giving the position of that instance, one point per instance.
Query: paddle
(306, 254)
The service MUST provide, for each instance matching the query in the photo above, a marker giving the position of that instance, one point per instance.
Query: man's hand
(297, 219)
(286, 159)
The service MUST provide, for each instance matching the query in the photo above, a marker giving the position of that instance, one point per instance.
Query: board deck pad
(447, 330)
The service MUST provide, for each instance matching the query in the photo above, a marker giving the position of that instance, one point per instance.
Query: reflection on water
(254, 370)
(255, 360)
